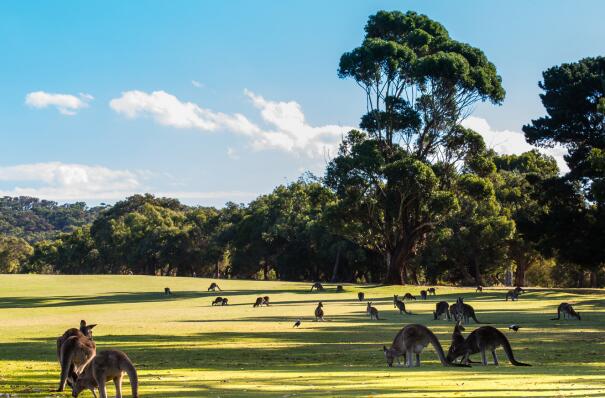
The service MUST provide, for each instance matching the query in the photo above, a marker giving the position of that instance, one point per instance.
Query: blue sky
(210, 101)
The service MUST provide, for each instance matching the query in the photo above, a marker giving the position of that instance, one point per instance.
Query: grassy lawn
(184, 347)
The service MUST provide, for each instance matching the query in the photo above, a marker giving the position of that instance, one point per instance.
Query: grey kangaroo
(408, 296)
(568, 312)
(399, 305)
(431, 290)
(214, 287)
(167, 291)
(479, 289)
(372, 312)
(75, 348)
(360, 296)
(319, 312)
(225, 301)
(462, 311)
(107, 365)
(512, 294)
(266, 301)
(485, 338)
(258, 302)
(423, 294)
(442, 308)
(409, 343)
(218, 300)
(317, 286)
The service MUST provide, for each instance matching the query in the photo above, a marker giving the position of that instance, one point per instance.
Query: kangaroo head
(86, 329)
(456, 350)
(320, 304)
(389, 354)
(82, 383)
(459, 327)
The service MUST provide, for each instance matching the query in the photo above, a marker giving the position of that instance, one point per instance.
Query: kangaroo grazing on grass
(400, 305)
(225, 301)
(360, 296)
(218, 300)
(485, 338)
(441, 308)
(568, 312)
(75, 348)
(266, 301)
(512, 295)
(167, 291)
(258, 302)
(319, 312)
(462, 311)
(372, 312)
(317, 286)
(408, 296)
(409, 343)
(479, 289)
(423, 294)
(213, 286)
(432, 291)
(107, 365)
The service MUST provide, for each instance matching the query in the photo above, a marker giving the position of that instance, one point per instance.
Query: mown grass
(184, 347)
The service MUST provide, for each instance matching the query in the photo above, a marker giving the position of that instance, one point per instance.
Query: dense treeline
(410, 197)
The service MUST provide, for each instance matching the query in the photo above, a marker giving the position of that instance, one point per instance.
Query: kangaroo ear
(92, 326)
(82, 323)
(384, 348)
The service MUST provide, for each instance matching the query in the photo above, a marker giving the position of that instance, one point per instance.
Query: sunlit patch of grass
(184, 347)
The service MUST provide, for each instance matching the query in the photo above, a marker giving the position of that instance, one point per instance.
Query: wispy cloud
(66, 104)
(511, 142)
(286, 128)
(197, 84)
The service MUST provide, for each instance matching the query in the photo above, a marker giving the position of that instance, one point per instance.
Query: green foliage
(14, 253)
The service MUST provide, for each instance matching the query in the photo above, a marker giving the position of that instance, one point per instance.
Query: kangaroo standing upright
(75, 348)
(568, 312)
(485, 338)
(360, 296)
(423, 294)
(409, 343)
(462, 311)
(319, 312)
(372, 311)
(107, 365)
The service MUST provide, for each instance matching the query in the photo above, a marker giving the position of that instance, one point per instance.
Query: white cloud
(287, 129)
(69, 182)
(197, 84)
(232, 153)
(67, 104)
(510, 142)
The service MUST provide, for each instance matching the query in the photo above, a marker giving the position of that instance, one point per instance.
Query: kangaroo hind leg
(495, 357)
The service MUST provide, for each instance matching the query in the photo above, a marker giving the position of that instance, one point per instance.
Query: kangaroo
(75, 349)
(360, 296)
(340, 288)
(167, 291)
(441, 308)
(480, 340)
(319, 312)
(225, 301)
(423, 294)
(457, 340)
(518, 290)
(372, 312)
(258, 302)
(107, 365)
(408, 296)
(463, 311)
(266, 301)
(512, 295)
(218, 300)
(409, 342)
(431, 290)
(479, 289)
(400, 305)
(568, 312)
(85, 330)
(214, 287)
(317, 286)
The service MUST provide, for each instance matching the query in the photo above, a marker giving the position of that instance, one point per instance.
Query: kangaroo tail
(437, 346)
(509, 351)
(67, 354)
(475, 317)
(558, 316)
(132, 375)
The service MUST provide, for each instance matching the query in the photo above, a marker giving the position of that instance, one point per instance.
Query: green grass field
(183, 347)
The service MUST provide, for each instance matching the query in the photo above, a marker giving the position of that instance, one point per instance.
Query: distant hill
(34, 219)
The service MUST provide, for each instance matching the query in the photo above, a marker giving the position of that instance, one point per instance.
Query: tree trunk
(336, 264)
(520, 272)
(478, 278)
(593, 279)
(397, 266)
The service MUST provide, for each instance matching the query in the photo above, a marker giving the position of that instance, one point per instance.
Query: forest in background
(410, 197)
